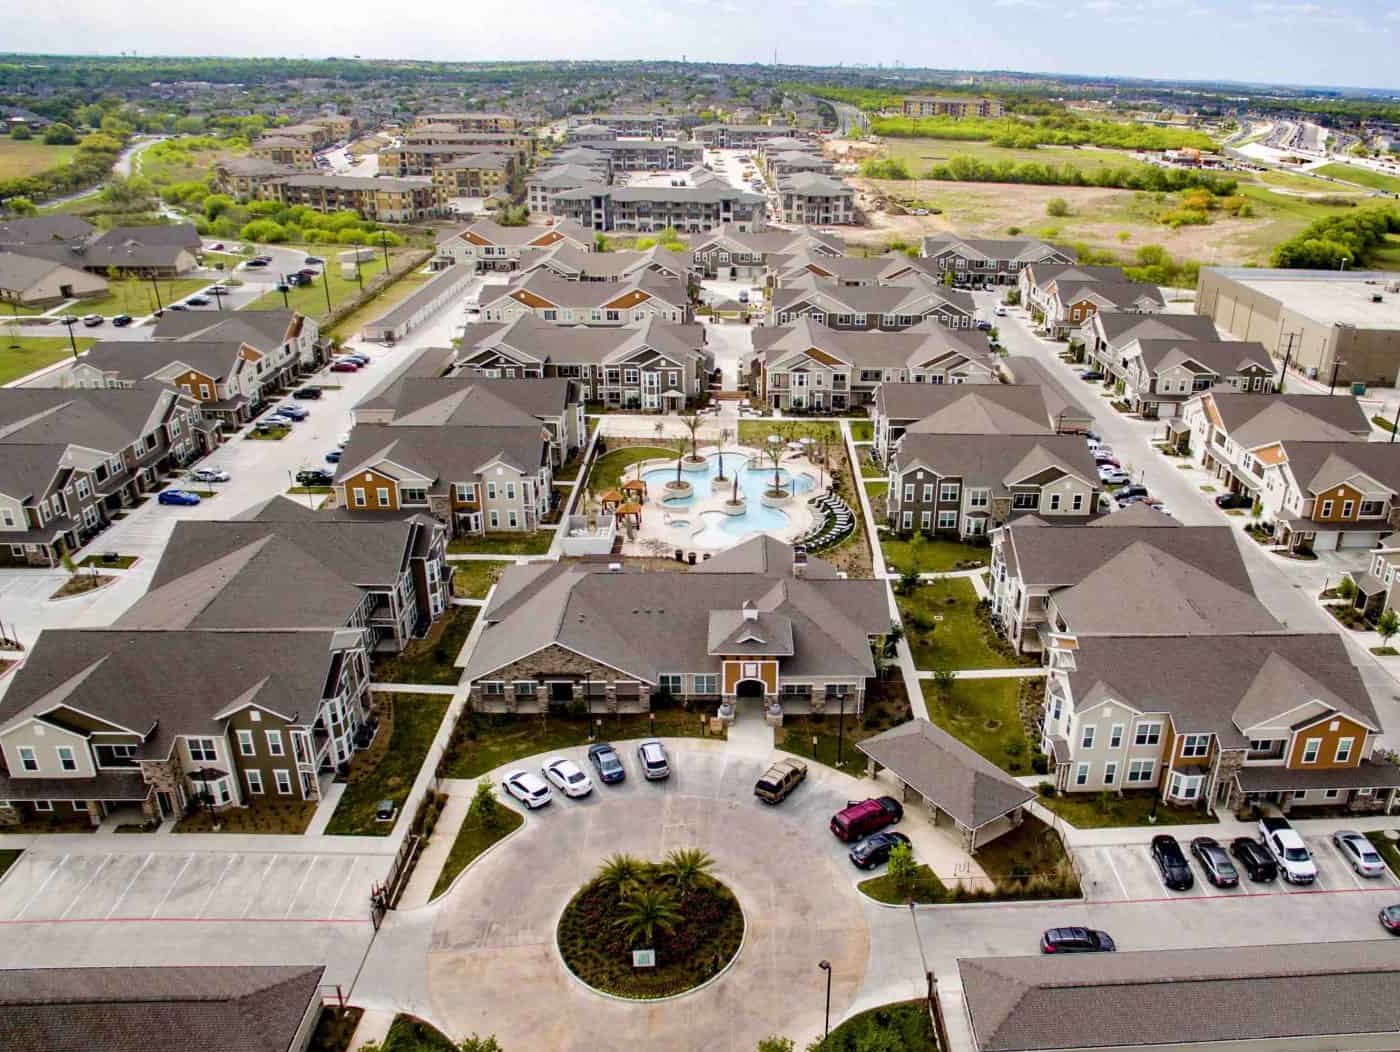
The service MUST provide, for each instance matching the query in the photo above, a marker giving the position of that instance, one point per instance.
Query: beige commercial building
(1315, 319)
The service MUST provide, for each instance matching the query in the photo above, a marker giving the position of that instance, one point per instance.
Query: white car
(530, 789)
(343, 440)
(209, 475)
(1001, 312)
(1111, 476)
(1357, 850)
(568, 777)
(655, 764)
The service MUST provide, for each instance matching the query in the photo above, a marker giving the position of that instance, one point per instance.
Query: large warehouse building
(1314, 318)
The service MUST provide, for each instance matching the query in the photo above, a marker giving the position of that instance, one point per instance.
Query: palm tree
(622, 872)
(774, 451)
(686, 868)
(725, 435)
(648, 911)
(680, 458)
(692, 424)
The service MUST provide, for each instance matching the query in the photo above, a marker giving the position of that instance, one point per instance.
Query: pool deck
(671, 526)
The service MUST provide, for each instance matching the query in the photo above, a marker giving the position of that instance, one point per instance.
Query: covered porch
(1368, 788)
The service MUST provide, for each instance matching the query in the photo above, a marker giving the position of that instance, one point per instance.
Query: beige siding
(45, 739)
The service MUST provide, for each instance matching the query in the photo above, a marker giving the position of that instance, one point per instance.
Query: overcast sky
(1336, 42)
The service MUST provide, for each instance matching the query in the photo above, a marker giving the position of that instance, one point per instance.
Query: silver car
(1357, 850)
(655, 764)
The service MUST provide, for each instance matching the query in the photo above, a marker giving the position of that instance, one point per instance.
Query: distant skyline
(1305, 42)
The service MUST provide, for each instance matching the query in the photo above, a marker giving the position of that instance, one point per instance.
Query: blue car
(178, 496)
(294, 411)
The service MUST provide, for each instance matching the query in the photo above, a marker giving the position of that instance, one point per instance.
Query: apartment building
(629, 125)
(567, 261)
(957, 106)
(813, 198)
(70, 459)
(384, 200)
(810, 366)
(487, 245)
(979, 262)
(783, 163)
(806, 262)
(760, 623)
(243, 178)
(728, 252)
(519, 145)
(740, 136)
(1158, 376)
(1216, 720)
(1329, 495)
(1010, 408)
(541, 186)
(652, 365)
(891, 306)
(645, 155)
(477, 175)
(285, 152)
(564, 302)
(646, 209)
(1107, 332)
(474, 122)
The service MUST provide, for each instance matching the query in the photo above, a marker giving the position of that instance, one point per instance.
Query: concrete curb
(435, 899)
(1002, 903)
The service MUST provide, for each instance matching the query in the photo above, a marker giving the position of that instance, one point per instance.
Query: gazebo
(633, 487)
(611, 499)
(631, 510)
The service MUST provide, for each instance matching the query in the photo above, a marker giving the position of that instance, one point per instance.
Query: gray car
(656, 765)
(1359, 852)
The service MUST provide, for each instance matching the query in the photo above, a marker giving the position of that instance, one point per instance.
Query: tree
(774, 1043)
(21, 206)
(485, 805)
(1057, 207)
(21, 133)
(60, 134)
(479, 1044)
(943, 680)
(725, 434)
(646, 912)
(622, 872)
(893, 637)
(901, 867)
(1346, 588)
(692, 423)
(1387, 625)
(686, 868)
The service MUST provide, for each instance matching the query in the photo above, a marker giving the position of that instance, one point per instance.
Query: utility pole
(326, 284)
(1394, 424)
(1332, 383)
(1287, 355)
(156, 289)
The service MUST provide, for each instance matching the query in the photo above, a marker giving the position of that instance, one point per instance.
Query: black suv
(307, 392)
(876, 849)
(314, 477)
(1255, 859)
(1215, 863)
(1076, 940)
(1175, 870)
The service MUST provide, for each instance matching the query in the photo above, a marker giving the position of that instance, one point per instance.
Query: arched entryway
(749, 688)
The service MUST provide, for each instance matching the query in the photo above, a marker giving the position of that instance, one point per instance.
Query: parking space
(1126, 872)
(180, 885)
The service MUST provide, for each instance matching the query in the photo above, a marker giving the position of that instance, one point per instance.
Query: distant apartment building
(630, 125)
(988, 261)
(476, 175)
(384, 200)
(473, 122)
(951, 106)
(816, 199)
(542, 186)
(794, 162)
(740, 136)
(647, 155)
(290, 153)
(643, 209)
(243, 178)
(891, 306)
(518, 144)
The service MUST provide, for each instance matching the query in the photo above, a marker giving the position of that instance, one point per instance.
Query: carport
(957, 786)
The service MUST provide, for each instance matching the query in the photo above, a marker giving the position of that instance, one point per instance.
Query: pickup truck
(1294, 859)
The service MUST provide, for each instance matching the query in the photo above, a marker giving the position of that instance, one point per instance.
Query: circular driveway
(493, 966)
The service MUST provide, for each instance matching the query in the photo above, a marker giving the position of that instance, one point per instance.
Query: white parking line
(1108, 857)
(214, 887)
(78, 895)
(253, 893)
(301, 884)
(42, 885)
(129, 883)
(173, 885)
(349, 872)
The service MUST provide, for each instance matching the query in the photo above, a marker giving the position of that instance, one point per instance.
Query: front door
(166, 803)
(561, 693)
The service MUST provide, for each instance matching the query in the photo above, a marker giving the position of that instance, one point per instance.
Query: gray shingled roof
(765, 554)
(917, 401)
(1322, 465)
(1184, 997)
(564, 293)
(262, 329)
(1222, 357)
(944, 770)
(544, 341)
(442, 455)
(1063, 407)
(873, 348)
(106, 419)
(471, 401)
(139, 359)
(1121, 327)
(211, 1008)
(1058, 556)
(1254, 420)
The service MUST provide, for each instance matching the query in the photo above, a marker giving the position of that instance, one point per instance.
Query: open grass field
(1361, 176)
(311, 299)
(18, 159)
(388, 297)
(982, 714)
(34, 352)
(921, 154)
(175, 161)
(138, 297)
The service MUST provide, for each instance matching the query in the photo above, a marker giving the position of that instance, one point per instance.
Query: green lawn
(875, 492)
(129, 296)
(922, 154)
(1105, 810)
(386, 769)
(925, 888)
(390, 295)
(932, 554)
(900, 1027)
(311, 299)
(121, 562)
(1383, 844)
(23, 157)
(472, 839)
(482, 742)
(1361, 176)
(982, 714)
(862, 430)
(8, 857)
(35, 352)
(961, 639)
(472, 580)
(869, 469)
(607, 470)
(756, 432)
(503, 544)
(410, 1034)
(430, 659)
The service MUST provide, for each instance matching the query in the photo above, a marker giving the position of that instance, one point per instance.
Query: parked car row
(563, 774)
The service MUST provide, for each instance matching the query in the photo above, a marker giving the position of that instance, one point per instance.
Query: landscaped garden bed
(503, 544)
(1107, 809)
(119, 562)
(266, 815)
(983, 715)
(487, 822)
(473, 579)
(386, 770)
(862, 430)
(948, 628)
(924, 554)
(886, 706)
(430, 659)
(82, 583)
(676, 908)
(904, 1026)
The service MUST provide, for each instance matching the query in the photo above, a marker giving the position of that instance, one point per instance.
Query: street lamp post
(218, 295)
(69, 321)
(282, 287)
(1345, 261)
(826, 1027)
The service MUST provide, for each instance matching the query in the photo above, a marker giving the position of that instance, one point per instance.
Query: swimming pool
(715, 529)
(721, 530)
(753, 479)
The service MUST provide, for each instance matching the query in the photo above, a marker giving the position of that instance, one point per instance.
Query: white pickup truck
(1294, 859)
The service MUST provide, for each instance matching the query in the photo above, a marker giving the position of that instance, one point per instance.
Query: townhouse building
(810, 366)
(1215, 720)
(1067, 414)
(944, 484)
(562, 302)
(475, 175)
(957, 106)
(486, 245)
(1237, 436)
(1158, 376)
(1329, 495)
(382, 199)
(740, 136)
(70, 459)
(810, 197)
(1011, 408)
(654, 365)
(760, 624)
(891, 306)
(1036, 281)
(480, 121)
(978, 262)
(646, 209)
(852, 271)
(1375, 586)
(99, 718)
(1107, 332)
(735, 254)
(1068, 304)
(284, 151)
(565, 260)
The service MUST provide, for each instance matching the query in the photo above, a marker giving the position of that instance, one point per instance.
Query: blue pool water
(716, 529)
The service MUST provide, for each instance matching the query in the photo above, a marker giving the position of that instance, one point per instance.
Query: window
(28, 759)
(466, 490)
(1185, 786)
(1326, 509)
(1079, 502)
(81, 805)
(1081, 774)
(511, 519)
(525, 688)
(707, 683)
(1110, 773)
(274, 743)
(255, 782)
(359, 496)
(1331, 794)
(413, 495)
(202, 750)
(671, 683)
(1024, 501)
(928, 492)
(245, 743)
(909, 491)
(907, 522)
(1115, 736)
(1141, 771)
(1086, 738)
(947, 520)
(1344, 747)
(1054, 502)
(631, 376)
(381, 496)
(1147, 734)
(67, 761)
(284, 780)
(1311, 748)
(948, 491)
(1300, 794)
(925, 519)
(978, 498)
(1368, 507)
(43, 805)
(1195, 745)
(493, 688)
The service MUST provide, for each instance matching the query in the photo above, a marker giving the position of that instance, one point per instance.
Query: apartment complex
(978, 262)
(740, 136)
(958, 106)
(728, 252)
(629, 125)
(384, 200)
(473, 122)
(646, 209)
(813, 198)
(563, 302)
(475, 175)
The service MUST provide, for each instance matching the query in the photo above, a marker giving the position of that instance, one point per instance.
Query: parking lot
(52, 885)
(1126, 872)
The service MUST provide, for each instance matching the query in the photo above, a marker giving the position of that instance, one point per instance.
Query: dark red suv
(859, 820)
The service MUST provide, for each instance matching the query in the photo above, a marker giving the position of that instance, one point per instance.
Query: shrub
(1057, 207)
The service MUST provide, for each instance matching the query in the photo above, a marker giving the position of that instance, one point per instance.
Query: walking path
(989, 673)
(434, 855)
(414, 688)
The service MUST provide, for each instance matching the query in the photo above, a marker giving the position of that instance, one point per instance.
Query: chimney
(750, 611)
(799, 560)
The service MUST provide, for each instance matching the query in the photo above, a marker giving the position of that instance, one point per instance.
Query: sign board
(643, 958)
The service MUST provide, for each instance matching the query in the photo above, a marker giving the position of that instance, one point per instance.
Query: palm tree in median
(687, 868)
(621, 872)
(645, 913)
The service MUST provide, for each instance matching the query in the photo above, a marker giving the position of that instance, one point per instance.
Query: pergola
(631, 510)
(635, 486)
